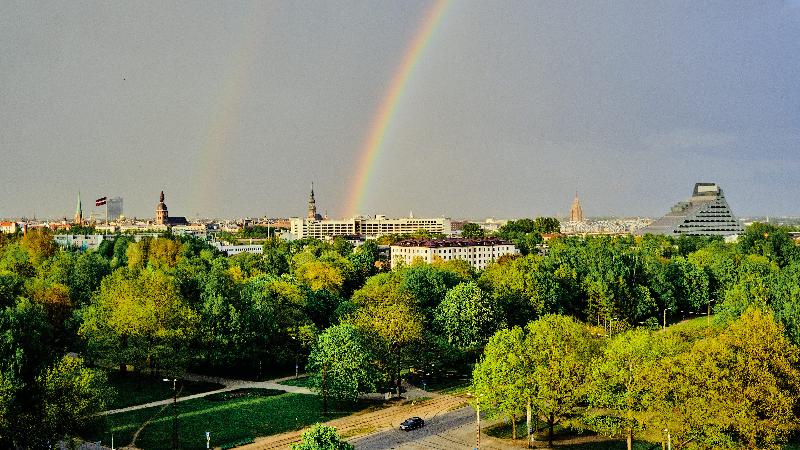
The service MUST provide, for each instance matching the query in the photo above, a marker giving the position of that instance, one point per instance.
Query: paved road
(447, 430)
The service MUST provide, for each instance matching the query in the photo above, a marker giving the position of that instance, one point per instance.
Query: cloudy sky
(233, 108)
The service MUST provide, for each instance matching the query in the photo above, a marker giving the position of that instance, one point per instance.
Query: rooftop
(451, 242)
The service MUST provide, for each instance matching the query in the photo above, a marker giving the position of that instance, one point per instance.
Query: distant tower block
(705, 213)
(162, 214)
(576, 213)
(312, 206)
(79, 212)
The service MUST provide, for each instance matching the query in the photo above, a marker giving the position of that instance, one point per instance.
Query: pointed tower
(312, 205)
(78, 212)
(162, 214)
(576, 213)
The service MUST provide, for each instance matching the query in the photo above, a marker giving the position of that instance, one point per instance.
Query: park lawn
(230, 417)
(137, 389)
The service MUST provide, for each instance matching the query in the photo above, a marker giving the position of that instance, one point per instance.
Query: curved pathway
(230, 385)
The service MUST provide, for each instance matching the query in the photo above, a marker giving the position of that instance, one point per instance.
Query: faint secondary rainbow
(388, 107)
(221, 136)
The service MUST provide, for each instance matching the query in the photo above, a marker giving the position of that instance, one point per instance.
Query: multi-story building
(302, 228)
(478, 252)
(315, 226)
(8, 227)
(81, 241)
(114, 207)
(576, 212)
(372, 228)
(705, 213)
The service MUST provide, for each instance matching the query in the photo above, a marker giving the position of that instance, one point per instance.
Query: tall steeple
(162, 213)
(312, 205)
(79, 211)
(576, 213)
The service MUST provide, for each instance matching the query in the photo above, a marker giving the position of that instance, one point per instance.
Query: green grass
(136, 389)
(300, 382)
(446, 385)
(232, 417)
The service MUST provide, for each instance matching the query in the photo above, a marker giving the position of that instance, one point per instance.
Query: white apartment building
(367, 227)
(478, 252)
(302, 228)
(81, 241)
(232, 250)
(372, 228)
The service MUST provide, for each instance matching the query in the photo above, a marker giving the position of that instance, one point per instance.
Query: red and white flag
(100, 201)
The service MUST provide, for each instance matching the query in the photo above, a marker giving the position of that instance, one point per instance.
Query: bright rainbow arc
(388, 107)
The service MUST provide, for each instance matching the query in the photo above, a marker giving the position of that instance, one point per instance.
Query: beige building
(478, 252)
(576, 212)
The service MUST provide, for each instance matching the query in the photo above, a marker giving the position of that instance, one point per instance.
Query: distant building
(576, 212)
(114, 206)
(78, 220)
(372, 228)
(312, 206)
(81, 241)
(8, 227)
(479, 253)
(315, 226)
(705, 213)
(233, 250)
(162, 214)
(305, 228)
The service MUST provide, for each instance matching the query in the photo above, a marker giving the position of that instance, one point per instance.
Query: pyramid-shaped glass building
(706, 213)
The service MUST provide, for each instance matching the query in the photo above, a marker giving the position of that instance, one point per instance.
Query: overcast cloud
(233, 108)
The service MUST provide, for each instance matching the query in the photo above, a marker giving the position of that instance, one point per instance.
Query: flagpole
(106, 210)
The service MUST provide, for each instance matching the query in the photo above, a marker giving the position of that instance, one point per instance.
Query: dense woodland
(542, 336)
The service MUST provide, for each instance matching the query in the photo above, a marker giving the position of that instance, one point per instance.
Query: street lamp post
(478, 420)
(208, 440)
(708, 316)
(174, 412)
(665, 318)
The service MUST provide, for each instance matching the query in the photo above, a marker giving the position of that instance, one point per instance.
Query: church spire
(312, 205)
(79, 211)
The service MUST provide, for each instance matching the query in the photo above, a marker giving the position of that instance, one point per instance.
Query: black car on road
(412, 423)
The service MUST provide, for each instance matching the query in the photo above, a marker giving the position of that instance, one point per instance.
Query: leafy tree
(769, 241)
(139, 318)
(341, 365)
(498, 380)
(738, 388)
(559, 350)
(472, 230)
(619, 387)
(544, 225)
(321, 437)
(73, 394)
(39, 244)
(467, 317)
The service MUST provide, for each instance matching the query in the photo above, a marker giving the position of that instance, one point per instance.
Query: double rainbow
(388, 107)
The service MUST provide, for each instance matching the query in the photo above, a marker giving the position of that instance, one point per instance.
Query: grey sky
(234, 108)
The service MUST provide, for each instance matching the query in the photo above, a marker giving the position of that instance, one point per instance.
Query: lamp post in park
(174, 412)
(665, 317)
(478, 419)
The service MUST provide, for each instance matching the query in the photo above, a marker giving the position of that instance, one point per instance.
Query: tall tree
(467, 317)
(498, 380)
(559, 351)
(341, 365)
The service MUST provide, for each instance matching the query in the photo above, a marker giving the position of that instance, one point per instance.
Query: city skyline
(501, 110)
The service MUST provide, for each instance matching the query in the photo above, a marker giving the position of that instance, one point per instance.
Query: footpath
(229, 384)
